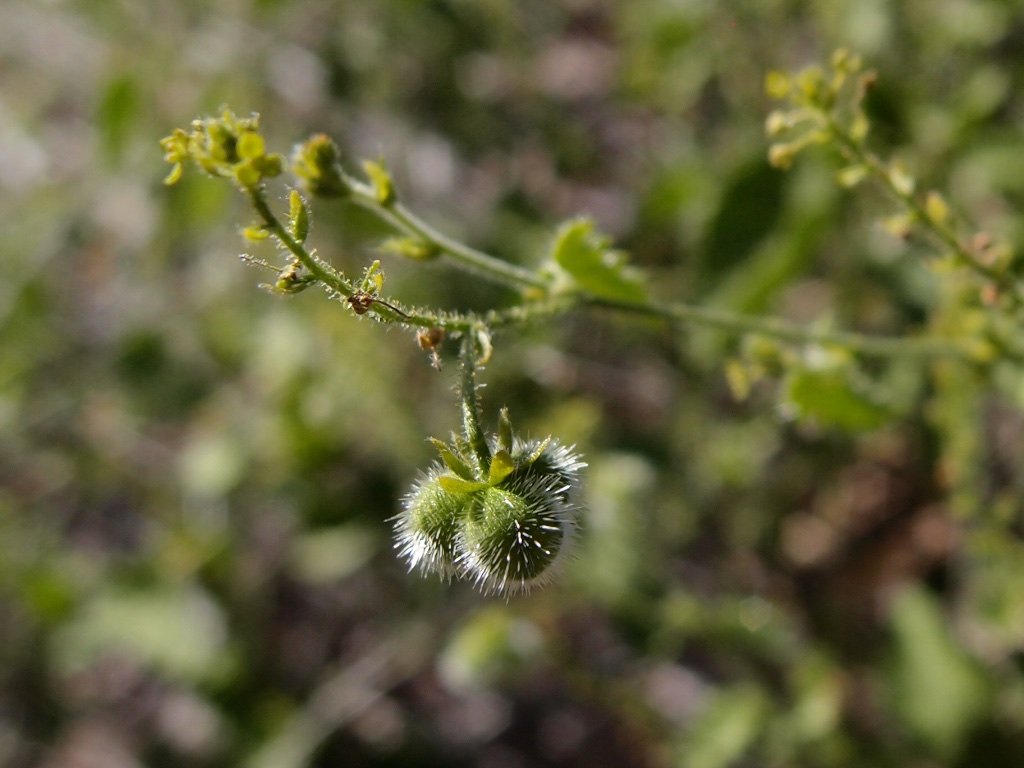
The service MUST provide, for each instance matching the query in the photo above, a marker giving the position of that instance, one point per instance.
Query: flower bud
(227, 147)
(317, 163)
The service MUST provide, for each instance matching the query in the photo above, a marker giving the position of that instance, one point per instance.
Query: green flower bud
(221, 142)
(225, 146)
(317, 163)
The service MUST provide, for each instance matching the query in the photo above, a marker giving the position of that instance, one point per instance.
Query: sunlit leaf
(594, 265)
(827, 398)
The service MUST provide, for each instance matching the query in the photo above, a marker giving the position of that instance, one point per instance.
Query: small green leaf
(327, 555)
(383, 186)
(729, 724)
(501, 467)
(255, 233)
(901, 180)
(828, 398)
(852, 175)
(178, 632)
(410, 247)
(938, 690)
(118, 111)
(298, 217)
(455, 485)
(594, 266)
(453, 461)
(175, 174)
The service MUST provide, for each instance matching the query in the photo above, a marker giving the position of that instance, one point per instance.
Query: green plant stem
(470, 414)
(946, 236)
(878, 346)
(677, 312)
(478, 262)
(336, 283)
(324, 274)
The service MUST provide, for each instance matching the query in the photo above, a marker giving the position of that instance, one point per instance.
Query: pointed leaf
(828, 398)
(501, 467)
(594, 265)
(453, 461)
(298, 217)
(383, 186)
(458, 486)
(852, 175)
(255, 233)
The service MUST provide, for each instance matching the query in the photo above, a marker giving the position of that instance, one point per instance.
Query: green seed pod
(505, 527)
(516, 533)
(548, 458)
(426, 530)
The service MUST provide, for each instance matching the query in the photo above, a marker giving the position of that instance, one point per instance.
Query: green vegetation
(768, 289)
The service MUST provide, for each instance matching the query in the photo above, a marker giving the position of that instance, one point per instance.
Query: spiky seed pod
(426, 530)
(549, 458)
(516, 533)
(504, 526)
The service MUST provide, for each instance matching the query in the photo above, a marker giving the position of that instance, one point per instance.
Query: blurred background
(196, 565)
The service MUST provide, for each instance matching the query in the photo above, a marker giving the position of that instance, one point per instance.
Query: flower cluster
(503, 523)
(225, 146)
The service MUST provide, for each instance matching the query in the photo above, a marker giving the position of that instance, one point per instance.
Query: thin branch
(478, 262)
(470, 412)
(322, 272)
(864, 344)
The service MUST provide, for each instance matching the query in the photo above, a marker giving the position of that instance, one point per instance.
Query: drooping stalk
(470, 413)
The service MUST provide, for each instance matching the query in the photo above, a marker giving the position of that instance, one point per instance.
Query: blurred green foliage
(196, 478)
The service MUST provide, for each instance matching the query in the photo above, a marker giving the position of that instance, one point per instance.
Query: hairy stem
(944, 235)
(877, 346)
(678, 312)
(470, 413)
(322, 272)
